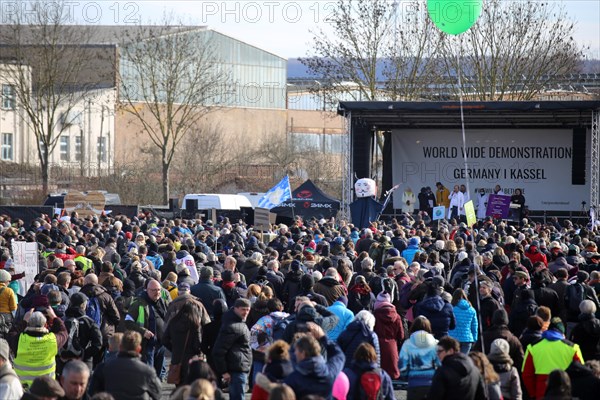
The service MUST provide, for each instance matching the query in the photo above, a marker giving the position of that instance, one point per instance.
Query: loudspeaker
(578, 158)
(191, 204)
(173, 203)
(362, 145)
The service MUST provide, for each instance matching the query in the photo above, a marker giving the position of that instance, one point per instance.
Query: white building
(86, 129)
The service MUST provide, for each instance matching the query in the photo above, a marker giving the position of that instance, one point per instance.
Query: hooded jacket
(317, 314)
(207, 292)
(316, 376)
(587, 334)
(510, 383)
(550, 353)
(411, 250)
(457, 378)
(345, 317)
(418, 358)
(500, 329)
(466, 327)
(354, 372)
(110, 313)
(438, 312)
(90, 337)
(291, 286)
(232, 352)
(584, 385)
(10, 386)
(535, 255)
(330, 288)
(250, 270)
(390, 332)
(352, 337)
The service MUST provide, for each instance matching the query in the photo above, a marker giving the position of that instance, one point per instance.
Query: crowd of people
(320, 310)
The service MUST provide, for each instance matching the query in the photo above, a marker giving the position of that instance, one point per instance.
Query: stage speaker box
(191, 205)
(578, 159)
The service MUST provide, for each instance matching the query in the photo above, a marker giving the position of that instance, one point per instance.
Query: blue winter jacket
(344, 315)
(418, 359)
(356, 369)
(352, 337)
(316, 376)
(409, 253)
(466, 323)
(438, 312)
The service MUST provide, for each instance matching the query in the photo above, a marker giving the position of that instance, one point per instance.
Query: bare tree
(376, 52)
(171, 78)
(49, 60)
(514, 51)
(203, 160)
(361, 35)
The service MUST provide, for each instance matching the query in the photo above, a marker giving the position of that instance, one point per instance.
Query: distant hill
(299, 71)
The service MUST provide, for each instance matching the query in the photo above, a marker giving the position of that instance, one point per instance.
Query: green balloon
(454, 16)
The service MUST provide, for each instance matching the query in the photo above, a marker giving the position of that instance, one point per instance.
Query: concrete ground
(167, 389)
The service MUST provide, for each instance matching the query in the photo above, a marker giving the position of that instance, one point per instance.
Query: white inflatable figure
(365, 187)
(408, 201)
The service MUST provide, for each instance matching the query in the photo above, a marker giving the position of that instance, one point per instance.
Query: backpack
(72, 348)
(279, 326)
(93, 310)
(575, 295)
(370, 384)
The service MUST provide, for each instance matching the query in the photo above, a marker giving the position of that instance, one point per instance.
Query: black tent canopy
(308, 201)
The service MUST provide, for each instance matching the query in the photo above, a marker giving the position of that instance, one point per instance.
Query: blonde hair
(485, 367)
(114, 342)
(201, 389)
(254, 290)
(266, 293)
(451, 245)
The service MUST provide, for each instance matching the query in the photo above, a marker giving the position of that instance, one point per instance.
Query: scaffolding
(347, 168)
(595, 158)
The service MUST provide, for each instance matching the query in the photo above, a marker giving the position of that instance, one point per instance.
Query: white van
(201, 201)
(253, 197)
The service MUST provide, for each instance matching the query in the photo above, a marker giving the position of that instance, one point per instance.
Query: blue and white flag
(277, 194)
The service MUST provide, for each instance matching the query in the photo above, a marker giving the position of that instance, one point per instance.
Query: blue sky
(281, 27)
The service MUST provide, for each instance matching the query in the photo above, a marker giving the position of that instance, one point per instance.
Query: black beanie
(307, 282)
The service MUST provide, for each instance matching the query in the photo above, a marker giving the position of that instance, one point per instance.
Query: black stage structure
(366, 118)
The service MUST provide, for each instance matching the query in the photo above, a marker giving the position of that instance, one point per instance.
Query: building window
(64, 148)
(102, 149)
(77, 148)
(8, 97)
(7, 146)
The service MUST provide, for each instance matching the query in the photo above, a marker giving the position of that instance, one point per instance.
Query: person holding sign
(457, 202)
(517, 201)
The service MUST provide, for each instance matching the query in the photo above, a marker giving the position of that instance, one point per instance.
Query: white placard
(25, 259)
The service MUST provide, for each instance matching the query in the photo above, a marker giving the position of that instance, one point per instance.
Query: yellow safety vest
(87, 263)
(35, 357)
(549, 355)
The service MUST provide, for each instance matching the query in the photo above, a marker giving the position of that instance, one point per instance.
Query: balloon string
(462, 116)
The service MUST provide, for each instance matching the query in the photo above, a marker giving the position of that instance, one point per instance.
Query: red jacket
(389, 330)
(535, 255)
